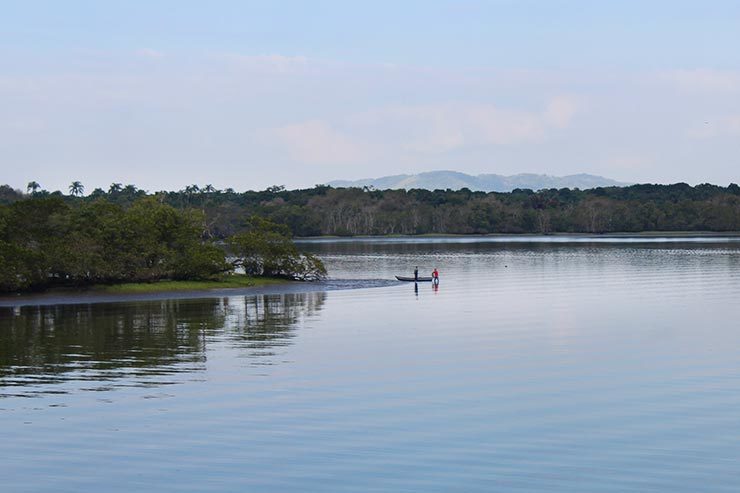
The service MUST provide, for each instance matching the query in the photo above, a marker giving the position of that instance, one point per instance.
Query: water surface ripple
(555, 367)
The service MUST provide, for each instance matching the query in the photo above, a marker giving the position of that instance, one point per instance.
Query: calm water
(535, 366)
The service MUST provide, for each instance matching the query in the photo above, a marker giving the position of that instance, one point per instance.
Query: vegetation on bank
(226, 282)
(50, 241)
(125, 234)
(326, 211)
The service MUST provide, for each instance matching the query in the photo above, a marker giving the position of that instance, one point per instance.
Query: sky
(240, 94)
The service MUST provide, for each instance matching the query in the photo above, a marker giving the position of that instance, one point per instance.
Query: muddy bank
(85, 297)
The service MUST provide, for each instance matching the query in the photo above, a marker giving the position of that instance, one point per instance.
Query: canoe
(411, 279)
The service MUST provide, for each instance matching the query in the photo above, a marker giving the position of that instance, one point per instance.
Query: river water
(537, 364)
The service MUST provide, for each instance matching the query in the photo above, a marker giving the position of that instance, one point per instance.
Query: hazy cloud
(630, 164)
(150, 53)
(560, 111)
(316, 142)
(704, 80)
(723, 126)
(258, 120)
(420, 129)
(271, 63)
(437, 128)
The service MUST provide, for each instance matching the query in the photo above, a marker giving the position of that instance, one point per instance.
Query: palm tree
(209, 189)
(76, 188)
(115, 188)
(33, 187)
(191, 190)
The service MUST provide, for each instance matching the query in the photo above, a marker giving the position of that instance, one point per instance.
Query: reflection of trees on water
(134, 342)
(264, 322)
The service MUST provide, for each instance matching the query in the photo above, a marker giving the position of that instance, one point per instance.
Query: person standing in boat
(435, 276)
(416, 273)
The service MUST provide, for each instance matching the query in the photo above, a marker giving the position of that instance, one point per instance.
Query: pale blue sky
(500, 33)
(248, 94)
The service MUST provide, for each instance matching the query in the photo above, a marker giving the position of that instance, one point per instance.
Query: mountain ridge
(486, 182)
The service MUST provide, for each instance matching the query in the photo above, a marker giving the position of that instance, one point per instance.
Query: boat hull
(412, 279)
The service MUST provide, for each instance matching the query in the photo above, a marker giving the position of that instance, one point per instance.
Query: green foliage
(323, 210)
(8, 195)
(46, 242)
(126, 234)
(355, 211)
(201, 261)
(76, 188)
(265, 249)
(49, 240)
(15, 271)
(33, 187)
(229, 281)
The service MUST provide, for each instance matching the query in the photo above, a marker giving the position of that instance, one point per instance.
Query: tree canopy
(48, 241)
(323, 210)
(265, 249)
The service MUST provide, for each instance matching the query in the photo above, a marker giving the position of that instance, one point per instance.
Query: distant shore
(641, 234)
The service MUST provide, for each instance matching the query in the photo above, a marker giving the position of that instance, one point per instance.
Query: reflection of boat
(411, 279)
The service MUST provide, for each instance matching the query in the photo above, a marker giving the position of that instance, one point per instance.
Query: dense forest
(323, 210)
(49, 240)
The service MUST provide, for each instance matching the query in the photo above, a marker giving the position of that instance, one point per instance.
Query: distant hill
(433, 180)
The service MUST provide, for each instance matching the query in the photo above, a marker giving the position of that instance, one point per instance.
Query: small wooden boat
(411, 279)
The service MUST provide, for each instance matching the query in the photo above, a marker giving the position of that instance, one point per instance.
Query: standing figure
(416, 274)
(435, 276)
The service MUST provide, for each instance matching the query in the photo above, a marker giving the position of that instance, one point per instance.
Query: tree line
(324, 210)
(50, 240)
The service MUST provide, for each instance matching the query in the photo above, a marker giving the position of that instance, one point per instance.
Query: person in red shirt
(435, 276)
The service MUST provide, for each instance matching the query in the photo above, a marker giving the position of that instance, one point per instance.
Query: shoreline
(80, 297)
(154, 287)
(164, 286)
(642, 234)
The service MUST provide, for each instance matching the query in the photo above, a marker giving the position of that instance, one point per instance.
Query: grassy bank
(233, 281)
